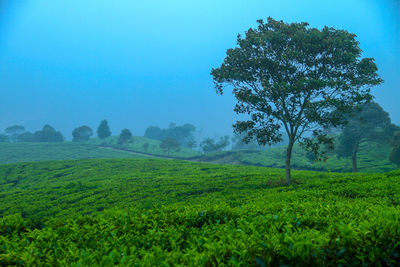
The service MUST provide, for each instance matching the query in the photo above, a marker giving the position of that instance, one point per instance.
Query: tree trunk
(354, 157)
(288, 158)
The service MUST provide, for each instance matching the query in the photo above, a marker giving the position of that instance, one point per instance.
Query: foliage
(182, 134)
(169, 144)
(14, 131)
(163, 212)
(4, 138)
(48, 134)
(82, 134)
(210, 145)
(29, 137)
(395, 154)
(295, 77)
(125, 136)
(238, 143)
(103, 130)
(371, 123)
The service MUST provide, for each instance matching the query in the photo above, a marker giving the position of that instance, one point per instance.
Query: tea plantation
(152, 212)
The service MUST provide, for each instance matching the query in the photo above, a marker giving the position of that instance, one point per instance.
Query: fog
(76, 62)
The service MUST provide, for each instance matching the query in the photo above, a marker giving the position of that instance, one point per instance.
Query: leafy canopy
(296, 77)
(395, 154)
(103, 131)
(125, 136)
(371, 123)
(82, 133)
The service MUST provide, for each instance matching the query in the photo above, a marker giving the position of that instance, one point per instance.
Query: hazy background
(141, 63)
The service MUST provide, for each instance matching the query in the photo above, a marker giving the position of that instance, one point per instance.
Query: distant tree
(48, 134)
(395, 154)
(210, 145)
(169, 144)
(125, 136)
(182, 134)
(26, 137)
(191, 144)
(370, 123)
(82, 134)
(103, 131)
(145, 146)
(14, 131)
(153, 132)
(4, 138)
(296, 77)
(238, 143)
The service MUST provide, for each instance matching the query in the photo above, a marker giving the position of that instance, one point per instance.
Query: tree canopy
(210, 145)
(82, 133)
(182, 134)
(295, 77)
(169, 144)
(103, 130)
(47, 134)
(125, 136)
(395, 154)
(370, 123)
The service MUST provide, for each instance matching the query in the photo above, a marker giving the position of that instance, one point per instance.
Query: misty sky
(140, 63)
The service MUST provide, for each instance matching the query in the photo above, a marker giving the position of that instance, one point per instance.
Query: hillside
(137, 145)
(371, 158)
(26, 152)
(94, 148)
(166, 212)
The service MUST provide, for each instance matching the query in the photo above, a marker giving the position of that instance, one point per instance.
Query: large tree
(295, 77)
(103, 130)
(370, 123)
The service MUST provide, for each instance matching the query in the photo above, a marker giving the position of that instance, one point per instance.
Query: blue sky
(140, 63)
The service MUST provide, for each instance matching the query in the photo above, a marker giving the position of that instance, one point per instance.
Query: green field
(148, 212)
(371, 158)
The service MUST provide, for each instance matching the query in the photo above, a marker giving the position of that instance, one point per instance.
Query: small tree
(297, 78)
(103, 130)
(370, 123)
(125, 136)
(169, 144)
(82, 134)
(210, 145)
(395, 154)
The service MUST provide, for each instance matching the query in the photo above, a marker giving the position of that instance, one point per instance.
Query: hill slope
(26, 152)
(176, 212)
(371, 158)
